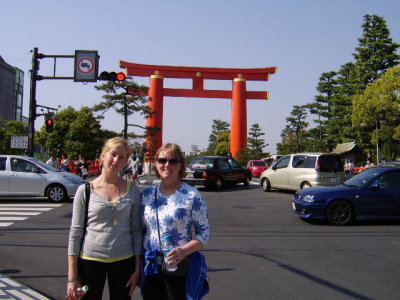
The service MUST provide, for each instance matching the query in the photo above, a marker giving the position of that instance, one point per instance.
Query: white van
(303, 170)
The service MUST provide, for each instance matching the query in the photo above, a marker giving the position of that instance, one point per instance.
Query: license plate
(334, 179)
(190, 175)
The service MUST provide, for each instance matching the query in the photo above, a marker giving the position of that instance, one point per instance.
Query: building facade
(11, 91)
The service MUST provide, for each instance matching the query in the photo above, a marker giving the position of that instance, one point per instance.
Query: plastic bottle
(166, 248)
(81, 291)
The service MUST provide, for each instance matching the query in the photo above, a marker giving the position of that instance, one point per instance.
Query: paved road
(258, 250)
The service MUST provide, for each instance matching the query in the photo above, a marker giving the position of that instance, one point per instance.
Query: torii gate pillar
(239, 94)
(156, 104)
(239, 116)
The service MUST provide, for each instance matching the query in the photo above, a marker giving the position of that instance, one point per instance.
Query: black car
(216, 171)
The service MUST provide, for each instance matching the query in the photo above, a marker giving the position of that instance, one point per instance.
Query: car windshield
(362, 178)
(201, 163)
(45, 166)
(260, 163)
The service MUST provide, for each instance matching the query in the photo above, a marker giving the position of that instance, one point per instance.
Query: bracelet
(70, 280)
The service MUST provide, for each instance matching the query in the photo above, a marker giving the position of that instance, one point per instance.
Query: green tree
(294, 136)
(378, 107)
(75, 132)
(11, 128)
(376, 51)
(218, 126)
(126, 98)
(255, 143)
(223, 144)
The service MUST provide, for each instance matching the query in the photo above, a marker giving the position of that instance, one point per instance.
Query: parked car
(303, 170)
(374, 193)
(256, 167)
(23, 176)
(216, 171)
(389, 164)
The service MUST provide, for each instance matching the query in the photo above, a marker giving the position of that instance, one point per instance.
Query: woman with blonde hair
(109, 246)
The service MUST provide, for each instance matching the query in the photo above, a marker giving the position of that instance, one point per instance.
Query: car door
(225, 170)
(24, 178)
(279, 174)
(237, 173)
(4, 177)
(383, 196)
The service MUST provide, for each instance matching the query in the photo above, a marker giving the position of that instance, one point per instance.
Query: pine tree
(254, 142)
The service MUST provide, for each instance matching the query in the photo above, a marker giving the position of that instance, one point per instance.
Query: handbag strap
(87, 198)
(158, 223)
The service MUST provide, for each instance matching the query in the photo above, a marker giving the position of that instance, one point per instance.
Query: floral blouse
(177, 214)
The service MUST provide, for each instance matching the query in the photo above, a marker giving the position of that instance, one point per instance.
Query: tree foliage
(11, 128)
(217, 127)
(126, 98)
(255, 143)
(75, 132)
(333, 106)
(378, 107)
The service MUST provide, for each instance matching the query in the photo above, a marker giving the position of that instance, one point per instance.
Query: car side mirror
(273, 167)
(375, 186)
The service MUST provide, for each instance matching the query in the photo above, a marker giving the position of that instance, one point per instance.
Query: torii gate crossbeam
(239, 94)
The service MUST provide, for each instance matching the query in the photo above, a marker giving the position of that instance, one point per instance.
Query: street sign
(19, 142)
(86, 66)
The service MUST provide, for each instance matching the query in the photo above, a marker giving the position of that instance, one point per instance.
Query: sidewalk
(13, 290)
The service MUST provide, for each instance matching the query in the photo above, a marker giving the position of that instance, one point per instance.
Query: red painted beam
(134, 69)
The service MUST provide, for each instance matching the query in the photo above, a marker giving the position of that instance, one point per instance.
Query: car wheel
(56, 193)
(340, 212)
(305, 185)
(246, 181)
(218, 184)
(265, 184)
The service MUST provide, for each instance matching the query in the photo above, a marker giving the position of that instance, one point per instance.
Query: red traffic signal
(112, 76)
(49, 122)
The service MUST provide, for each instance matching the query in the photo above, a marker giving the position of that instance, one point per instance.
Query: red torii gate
(239, 95)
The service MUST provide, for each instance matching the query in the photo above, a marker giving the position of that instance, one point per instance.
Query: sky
(303, 39)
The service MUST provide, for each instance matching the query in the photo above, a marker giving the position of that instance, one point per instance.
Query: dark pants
(163, 287)
(94, 274)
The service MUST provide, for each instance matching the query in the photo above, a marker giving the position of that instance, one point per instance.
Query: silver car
(303, 170)
(22, 176)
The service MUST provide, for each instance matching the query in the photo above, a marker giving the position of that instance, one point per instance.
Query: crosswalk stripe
(17, 213)
(10, 213)
(30, 205)
(27, 208)
(13, 218)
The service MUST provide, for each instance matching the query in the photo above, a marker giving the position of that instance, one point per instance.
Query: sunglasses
(171, 161)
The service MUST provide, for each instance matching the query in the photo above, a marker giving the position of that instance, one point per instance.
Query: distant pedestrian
(52, 162)
(64, 166)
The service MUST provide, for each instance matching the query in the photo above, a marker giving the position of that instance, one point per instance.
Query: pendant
(114, 221)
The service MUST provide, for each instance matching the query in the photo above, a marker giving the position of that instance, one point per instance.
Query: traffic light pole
(32, 104)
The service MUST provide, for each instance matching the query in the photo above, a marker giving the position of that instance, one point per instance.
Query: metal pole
(32, 101)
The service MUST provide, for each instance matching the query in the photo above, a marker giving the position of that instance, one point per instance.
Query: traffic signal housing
(112, 76)
(49, 122)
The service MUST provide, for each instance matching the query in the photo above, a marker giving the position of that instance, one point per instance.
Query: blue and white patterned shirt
(177, 214)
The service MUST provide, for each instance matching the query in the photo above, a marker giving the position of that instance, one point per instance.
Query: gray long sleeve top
(112, 230)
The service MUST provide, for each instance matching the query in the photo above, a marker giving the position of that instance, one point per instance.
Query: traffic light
(112, 76)
(49, 122)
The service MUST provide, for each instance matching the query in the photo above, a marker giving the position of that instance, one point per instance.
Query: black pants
(94, 274)
(163, 287)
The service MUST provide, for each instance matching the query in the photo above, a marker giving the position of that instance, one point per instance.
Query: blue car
(372, 194)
